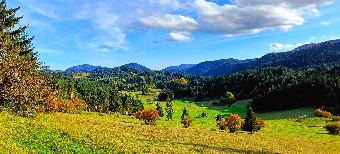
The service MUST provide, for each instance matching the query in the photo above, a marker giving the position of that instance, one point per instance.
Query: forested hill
(83, 68)
(180, 68)
(313, 54)
(138, 66)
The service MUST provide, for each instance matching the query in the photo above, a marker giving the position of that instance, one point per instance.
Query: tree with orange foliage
(149, 116)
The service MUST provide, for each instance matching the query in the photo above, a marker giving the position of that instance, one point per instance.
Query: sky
(162, 33)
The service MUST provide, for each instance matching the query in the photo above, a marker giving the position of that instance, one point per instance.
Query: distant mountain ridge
(180, 68)
(303, 56)
(138, 66)
(300, 57)
(83, 68)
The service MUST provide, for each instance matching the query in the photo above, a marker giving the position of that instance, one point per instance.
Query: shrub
(186, 121)
(321, 113)
(234, 122)
(333, 128)
(222, 124)
(336, 118)
(53, 104)
(218, 118)
(203, 115)
(318, 113)
(149, 116)
(327, 115)
(261, 124)
(75, 105)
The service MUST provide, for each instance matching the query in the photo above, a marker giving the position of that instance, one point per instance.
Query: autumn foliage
(321, 113)
(149, 116)
(186, 121)
(23, 83)
(333, 128)
(75, 105)
(233, 123)
(336, 118)
(261, 124)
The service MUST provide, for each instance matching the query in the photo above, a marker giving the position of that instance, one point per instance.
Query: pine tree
(250, 123)
(136, 105)
(184, 113)
(23, 84)
(116, 101)
(169, 109)
(159, 109)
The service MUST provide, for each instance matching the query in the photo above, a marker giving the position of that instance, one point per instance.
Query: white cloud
(245, 16)
(179, 36)
(42, 8)
(324, 23)
(108, 34)
(279, 46)
(170, 22)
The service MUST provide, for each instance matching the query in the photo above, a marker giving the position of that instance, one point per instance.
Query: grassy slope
(286, 132)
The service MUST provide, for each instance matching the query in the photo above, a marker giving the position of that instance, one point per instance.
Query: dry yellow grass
(91, 133)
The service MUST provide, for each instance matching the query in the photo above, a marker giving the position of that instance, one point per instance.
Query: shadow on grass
(203, 148)
(222, 149)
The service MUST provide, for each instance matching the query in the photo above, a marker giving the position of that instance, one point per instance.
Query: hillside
(295, 131)
(306, 55)
(180, 68)
(83, 68)
(138, 66)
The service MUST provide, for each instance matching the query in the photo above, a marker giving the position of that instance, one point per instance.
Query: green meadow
(292, 131)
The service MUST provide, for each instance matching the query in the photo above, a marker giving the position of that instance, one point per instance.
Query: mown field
(294, 131)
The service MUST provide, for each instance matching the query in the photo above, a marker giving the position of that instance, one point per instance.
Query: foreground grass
(102, 133)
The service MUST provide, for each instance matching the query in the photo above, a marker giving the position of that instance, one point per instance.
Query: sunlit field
(294, 131)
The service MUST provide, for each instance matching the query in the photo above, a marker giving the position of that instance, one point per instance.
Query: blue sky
(162, 33)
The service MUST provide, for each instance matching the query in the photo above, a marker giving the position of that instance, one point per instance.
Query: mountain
(138, 66)
(205, 67)
(180, 68)
(303, 56)
(83, 68)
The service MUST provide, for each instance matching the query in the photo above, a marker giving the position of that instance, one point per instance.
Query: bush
(53, 104)
(222, 124)
(318, 113)
(327, 115)
(234, 122)
(75, 105)
(321, 113)
(261, 124)
(218, 118)
(333, 128)
(186, 121)
(149, 116)
(336, 118)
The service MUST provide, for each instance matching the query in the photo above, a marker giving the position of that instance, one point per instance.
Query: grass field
(293, 131)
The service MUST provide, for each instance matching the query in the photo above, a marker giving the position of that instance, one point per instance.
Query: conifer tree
(159, 109)
(169, 109)
(250, 123)
(136, 105)
(116, 101)
(23, 84)
(184, 113)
